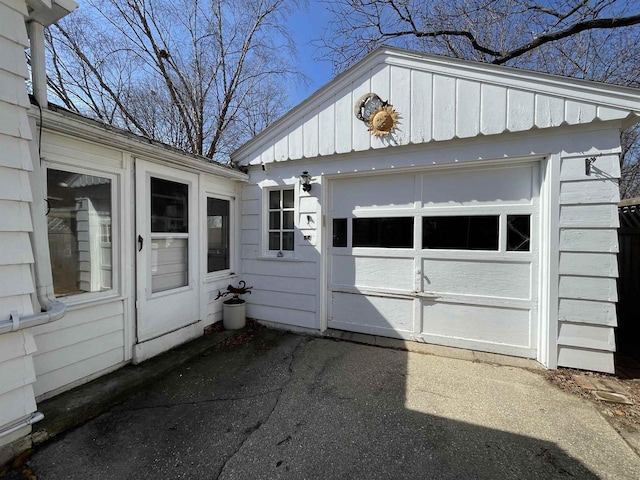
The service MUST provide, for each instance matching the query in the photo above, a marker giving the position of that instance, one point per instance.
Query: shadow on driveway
(288, 406)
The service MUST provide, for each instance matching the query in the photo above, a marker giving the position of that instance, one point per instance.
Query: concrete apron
(288, 406)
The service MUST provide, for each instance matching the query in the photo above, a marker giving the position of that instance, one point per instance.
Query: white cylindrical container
(233, 314)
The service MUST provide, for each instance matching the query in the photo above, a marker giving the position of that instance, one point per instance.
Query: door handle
(140, 242)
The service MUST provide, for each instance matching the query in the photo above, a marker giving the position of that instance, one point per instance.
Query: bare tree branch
(179, 71)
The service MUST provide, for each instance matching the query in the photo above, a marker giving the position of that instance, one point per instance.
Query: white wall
(588, 265)
(16, 255)
(290, 291)
(97, 334)
(437, 99)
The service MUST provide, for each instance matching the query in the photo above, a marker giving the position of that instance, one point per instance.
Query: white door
(444, 256)
(166, 245)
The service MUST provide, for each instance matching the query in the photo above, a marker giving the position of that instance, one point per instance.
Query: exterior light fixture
(305, 181)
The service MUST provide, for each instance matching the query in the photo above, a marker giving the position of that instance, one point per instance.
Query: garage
(442, 201)
(448, 256)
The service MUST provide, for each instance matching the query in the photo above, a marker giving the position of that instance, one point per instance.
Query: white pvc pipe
(33, 418)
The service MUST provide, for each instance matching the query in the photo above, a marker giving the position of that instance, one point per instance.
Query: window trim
(289, 254)
(210, 276)
(116, 231)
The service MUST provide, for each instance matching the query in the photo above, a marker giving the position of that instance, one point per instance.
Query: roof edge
(627, 98)
(62, 121)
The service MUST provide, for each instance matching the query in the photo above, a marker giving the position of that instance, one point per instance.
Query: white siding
(16, 281)
(85, 341)
(17, 374)
(588, 267)
(285, 290)
(437, 99)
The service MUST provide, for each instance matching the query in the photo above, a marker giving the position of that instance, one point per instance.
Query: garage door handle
(140, 242)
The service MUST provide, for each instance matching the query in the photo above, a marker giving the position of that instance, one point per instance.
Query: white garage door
(447, 256)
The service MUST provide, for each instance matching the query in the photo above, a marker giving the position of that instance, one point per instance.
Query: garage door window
(339, 232)
(463, 232)
(518, 233)
(393, 232)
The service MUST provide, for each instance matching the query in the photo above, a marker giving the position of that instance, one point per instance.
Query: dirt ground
(622, 417)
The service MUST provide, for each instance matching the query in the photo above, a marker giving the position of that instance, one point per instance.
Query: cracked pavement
(289, 406)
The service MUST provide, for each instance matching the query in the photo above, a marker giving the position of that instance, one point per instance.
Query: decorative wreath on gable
(380, 117)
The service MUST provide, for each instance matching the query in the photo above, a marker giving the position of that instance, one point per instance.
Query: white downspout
(38, 65)
(47, 307)
(30, 420)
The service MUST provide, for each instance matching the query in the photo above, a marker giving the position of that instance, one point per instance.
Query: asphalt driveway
(289, 406)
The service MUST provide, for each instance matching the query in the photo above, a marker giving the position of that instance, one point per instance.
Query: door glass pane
(392, 232)
(217, 234)
(79, 231)
(287, 220)
(287, 240)
(169, 263)
(169, 206)
(274, 220)
(518, 233)
(287, 198)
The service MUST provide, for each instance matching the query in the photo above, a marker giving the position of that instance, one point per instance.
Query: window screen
(391, 232)
(460, 232)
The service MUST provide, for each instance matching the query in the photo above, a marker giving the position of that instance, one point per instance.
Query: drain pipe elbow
(30, 420)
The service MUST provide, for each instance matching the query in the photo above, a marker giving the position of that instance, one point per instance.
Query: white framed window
(280, 222)
(82, 232)
(219, 235)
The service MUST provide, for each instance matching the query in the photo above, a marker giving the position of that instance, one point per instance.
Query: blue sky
(307, 25)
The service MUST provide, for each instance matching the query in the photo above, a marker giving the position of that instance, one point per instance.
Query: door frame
(176, 313)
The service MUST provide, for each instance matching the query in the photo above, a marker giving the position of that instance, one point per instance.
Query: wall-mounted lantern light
(305, 181)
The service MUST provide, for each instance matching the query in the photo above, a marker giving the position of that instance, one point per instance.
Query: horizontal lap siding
(84, 342)
(588, 266)
(17, 372)
(283, 291)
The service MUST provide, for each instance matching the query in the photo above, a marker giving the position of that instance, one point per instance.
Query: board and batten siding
(16, 255)
(285, 290)
(446, 104)
(588, 266)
